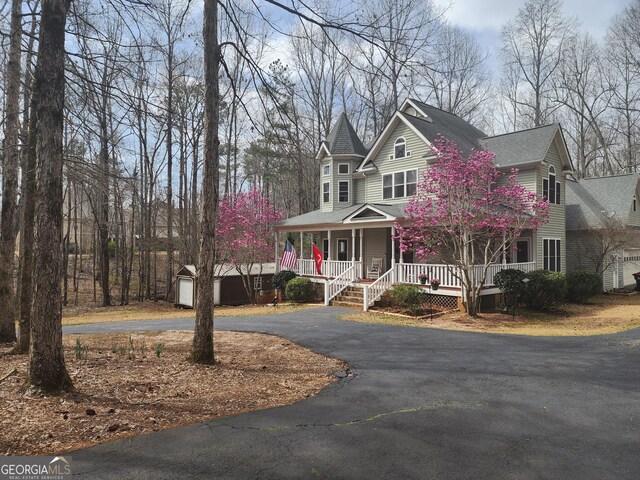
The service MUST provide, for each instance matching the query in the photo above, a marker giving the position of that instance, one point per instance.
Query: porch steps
(351, 297)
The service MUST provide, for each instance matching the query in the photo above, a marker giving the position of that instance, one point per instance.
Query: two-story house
(364, 191)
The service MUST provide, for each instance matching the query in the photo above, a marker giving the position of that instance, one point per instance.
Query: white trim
(410, 102)
(326, 166)
(322, 192)
(558, 253)
(393, 184)
(350, 218)
(514, 249)
(323, 146)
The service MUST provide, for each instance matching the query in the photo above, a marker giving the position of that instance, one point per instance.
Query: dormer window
(551, 187)
(326, 170)
(400, 148)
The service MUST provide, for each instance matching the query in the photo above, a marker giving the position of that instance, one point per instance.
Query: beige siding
(634, 217)
(334, 178)
(359, 187)
(415, 145)
(556, 227)
(375, 245)
(326, 207)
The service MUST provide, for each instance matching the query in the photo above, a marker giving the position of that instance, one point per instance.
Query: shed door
(186, 292)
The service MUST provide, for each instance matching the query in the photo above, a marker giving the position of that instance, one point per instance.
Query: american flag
(289, 259)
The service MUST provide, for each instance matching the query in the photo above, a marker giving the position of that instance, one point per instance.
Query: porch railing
(338, 284)
(374, 291)
(448, 274)
(330, 268)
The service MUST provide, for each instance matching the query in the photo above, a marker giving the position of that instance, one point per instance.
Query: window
(551, 254)
(325, 192)
(326, 170)
(343, 168)
(399, 184)
(257, 284)
(550, 187)
(343, 191)
(400, 148)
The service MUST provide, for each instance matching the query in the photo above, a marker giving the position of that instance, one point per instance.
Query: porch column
(362, 270)
(504, 251)
(393, 253)
(301, 245)
(329, 248)
(353, 253)
(275, 242)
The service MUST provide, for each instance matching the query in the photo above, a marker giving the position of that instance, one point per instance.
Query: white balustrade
(330, 268)
(374, 291)
(338, 284)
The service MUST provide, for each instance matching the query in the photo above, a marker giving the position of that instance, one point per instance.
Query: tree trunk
(202, 351)
(47, 370)
(8, 220)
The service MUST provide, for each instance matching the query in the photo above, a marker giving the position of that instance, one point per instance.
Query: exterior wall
(359, 187)
(335, 235)
(334, 178)
(634, 217)
(417, 160)
(377, 243)
(556, 227)
(232, 290)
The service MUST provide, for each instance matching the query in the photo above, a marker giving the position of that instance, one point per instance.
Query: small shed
(186, 286)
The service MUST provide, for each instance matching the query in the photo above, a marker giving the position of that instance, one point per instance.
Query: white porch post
(354, 275)
(393, 254)
(329, 248)
(504, 251)
(275, 243)
(362, 270)
(301, 245)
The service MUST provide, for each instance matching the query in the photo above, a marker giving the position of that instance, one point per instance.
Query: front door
(342, 249)
(522, 251)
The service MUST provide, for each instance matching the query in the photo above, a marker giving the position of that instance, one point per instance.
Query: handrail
(374, 291)
(338, 284)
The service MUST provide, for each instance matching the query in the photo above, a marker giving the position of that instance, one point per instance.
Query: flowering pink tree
(469, 213)
(244, 235)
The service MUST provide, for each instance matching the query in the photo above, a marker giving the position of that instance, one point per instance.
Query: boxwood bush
(281, 278)
(510, 282)
(582, 285)
(410, 297)
(299, 290)
(545, 289)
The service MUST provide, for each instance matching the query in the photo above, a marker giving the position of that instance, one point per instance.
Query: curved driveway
(423, 404)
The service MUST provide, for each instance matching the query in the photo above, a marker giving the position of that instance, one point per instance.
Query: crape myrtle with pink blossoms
(244, 235)
(468, 213)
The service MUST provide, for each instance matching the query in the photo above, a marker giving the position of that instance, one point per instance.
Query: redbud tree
(244, 234)
(468, 213)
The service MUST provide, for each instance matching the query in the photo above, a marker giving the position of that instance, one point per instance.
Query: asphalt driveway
(423, 404)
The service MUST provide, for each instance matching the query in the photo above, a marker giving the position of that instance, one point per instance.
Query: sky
(485, 18)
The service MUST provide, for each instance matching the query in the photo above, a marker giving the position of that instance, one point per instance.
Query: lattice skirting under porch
(444, 301)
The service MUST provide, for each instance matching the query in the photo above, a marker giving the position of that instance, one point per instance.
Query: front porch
(338, 275)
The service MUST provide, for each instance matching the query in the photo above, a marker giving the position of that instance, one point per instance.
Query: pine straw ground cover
(605, 314)
(124, 389)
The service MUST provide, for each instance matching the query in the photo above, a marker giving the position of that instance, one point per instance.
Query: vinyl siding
(634, 217)
(335, 178)
(375, 246)
(418, 149)
(359, 187)
(556, 227)
(326, 207)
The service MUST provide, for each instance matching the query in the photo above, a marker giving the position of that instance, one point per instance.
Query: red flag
(317, 256)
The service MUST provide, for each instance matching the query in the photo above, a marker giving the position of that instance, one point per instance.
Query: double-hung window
(399, 184)
(551, 254)
(326, 187)
(343, 191)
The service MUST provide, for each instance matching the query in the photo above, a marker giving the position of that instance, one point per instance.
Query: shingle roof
(461, 132)
(343, 139)
(521, 148)
(318, 217)
(592, 198)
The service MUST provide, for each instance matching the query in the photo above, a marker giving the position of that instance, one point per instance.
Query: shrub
(299, 290)
(510, 283)
(545, 289)
(281, 278)
(410, 297)
(582, 285)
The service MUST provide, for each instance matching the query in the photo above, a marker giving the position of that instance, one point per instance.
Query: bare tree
(47, 370)
(202, 351)
(11, 157)
(533, 45)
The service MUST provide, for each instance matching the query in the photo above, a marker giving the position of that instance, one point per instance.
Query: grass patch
(164, 310)
(606, 314)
